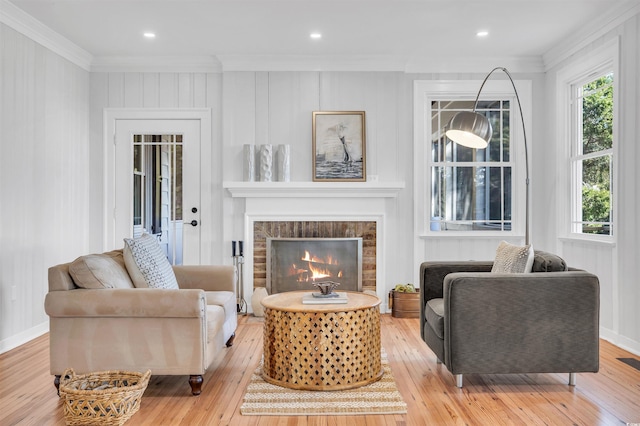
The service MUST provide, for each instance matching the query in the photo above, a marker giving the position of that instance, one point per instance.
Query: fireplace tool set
(238, 262)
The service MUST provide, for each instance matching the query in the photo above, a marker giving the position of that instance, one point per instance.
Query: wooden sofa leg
(196, 384)
(56, 383)
(230, 341)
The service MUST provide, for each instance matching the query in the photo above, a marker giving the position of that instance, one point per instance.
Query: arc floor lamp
(473, 130)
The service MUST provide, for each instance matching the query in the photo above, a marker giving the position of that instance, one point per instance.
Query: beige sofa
(170, 332)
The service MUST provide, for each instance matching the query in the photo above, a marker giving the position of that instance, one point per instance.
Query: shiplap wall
(44, 169)
(51, 179)
(616, 265)
(276, 108)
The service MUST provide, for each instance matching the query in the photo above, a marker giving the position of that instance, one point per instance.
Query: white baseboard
(23, 337)
(620, 341)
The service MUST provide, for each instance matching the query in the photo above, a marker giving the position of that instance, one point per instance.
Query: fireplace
(297, 263)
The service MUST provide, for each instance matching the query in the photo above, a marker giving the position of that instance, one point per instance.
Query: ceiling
(400, 30)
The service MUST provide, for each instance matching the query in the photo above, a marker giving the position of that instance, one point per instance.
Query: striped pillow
(147, 265)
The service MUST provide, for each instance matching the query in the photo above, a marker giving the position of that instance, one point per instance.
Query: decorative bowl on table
(326, 289)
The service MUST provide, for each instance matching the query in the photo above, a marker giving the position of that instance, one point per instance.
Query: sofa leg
(56, 383)
(459, 380)
(196, 384)
(438, 361)
(572, 379)
(230, 341)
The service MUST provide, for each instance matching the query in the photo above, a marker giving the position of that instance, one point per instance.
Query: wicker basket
(102, 398)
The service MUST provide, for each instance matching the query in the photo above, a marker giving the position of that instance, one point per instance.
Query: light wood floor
(610, 397)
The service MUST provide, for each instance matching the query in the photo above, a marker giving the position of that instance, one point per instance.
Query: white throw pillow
(146, 263)
(513, 259)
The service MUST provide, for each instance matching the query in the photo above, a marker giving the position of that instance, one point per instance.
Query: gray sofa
(476, 321)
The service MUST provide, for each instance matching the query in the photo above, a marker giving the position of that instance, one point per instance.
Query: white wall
(615, 264)
(276, 108)
(51, 165)
(44, 170)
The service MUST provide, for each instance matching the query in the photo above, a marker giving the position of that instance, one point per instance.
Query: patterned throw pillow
(147, 264)
(513, 259)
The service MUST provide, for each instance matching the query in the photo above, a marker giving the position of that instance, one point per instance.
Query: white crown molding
(524, 64)
(204, 64)
(379, 63)
(312, 63)
(25, 24)
(580, 39)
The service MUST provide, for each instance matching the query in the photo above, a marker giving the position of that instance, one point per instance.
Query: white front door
(156, 184)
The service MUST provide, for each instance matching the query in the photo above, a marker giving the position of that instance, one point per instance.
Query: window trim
(606, 57)
(426, 91)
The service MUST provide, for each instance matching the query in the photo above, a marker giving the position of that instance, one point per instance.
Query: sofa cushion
(215, 322)
(434, 314)
(227, 300)
(513, 259)
(548, 262)
(147, 264)
(104, 270)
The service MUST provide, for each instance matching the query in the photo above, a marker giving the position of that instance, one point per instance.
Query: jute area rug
(381, 397)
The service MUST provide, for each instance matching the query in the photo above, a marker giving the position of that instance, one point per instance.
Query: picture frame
(339, 146)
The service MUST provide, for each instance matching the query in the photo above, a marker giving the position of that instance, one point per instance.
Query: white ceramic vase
(266, 162)
(284, 163)
(249, 163)
(259, 293)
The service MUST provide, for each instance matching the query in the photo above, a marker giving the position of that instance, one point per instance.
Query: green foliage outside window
(597, 136)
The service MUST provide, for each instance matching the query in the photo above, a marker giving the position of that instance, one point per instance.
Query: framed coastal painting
(339, 146)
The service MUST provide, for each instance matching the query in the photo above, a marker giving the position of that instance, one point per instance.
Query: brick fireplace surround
(315, 229)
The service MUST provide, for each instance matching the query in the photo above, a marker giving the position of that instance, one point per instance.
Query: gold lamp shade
(470, 129)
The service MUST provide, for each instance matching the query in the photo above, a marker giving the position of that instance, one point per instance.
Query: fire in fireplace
(297, 263)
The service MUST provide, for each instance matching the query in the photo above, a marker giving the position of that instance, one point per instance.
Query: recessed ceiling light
(315, 36)
(482, 33)
(149, 34)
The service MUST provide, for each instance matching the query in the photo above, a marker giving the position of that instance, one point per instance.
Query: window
(471, 188)
(591, 159)
(461, 192)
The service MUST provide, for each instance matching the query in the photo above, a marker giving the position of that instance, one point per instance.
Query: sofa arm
(432, 275)
(143, 302)
(536, 323)
(206, 277)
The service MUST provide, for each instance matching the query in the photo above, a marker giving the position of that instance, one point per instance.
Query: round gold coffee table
(321, 346)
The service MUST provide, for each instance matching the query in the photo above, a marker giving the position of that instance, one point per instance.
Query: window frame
(501, 89)
(602, 60)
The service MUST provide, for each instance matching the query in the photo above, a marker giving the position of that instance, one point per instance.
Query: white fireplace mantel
(319, 201)
(313, 189)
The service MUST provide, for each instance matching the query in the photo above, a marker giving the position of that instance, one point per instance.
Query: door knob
(194, 223)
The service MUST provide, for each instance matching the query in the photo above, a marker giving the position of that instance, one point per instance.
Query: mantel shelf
(313, 189)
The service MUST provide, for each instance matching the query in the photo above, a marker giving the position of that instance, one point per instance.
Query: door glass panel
(157, 191)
